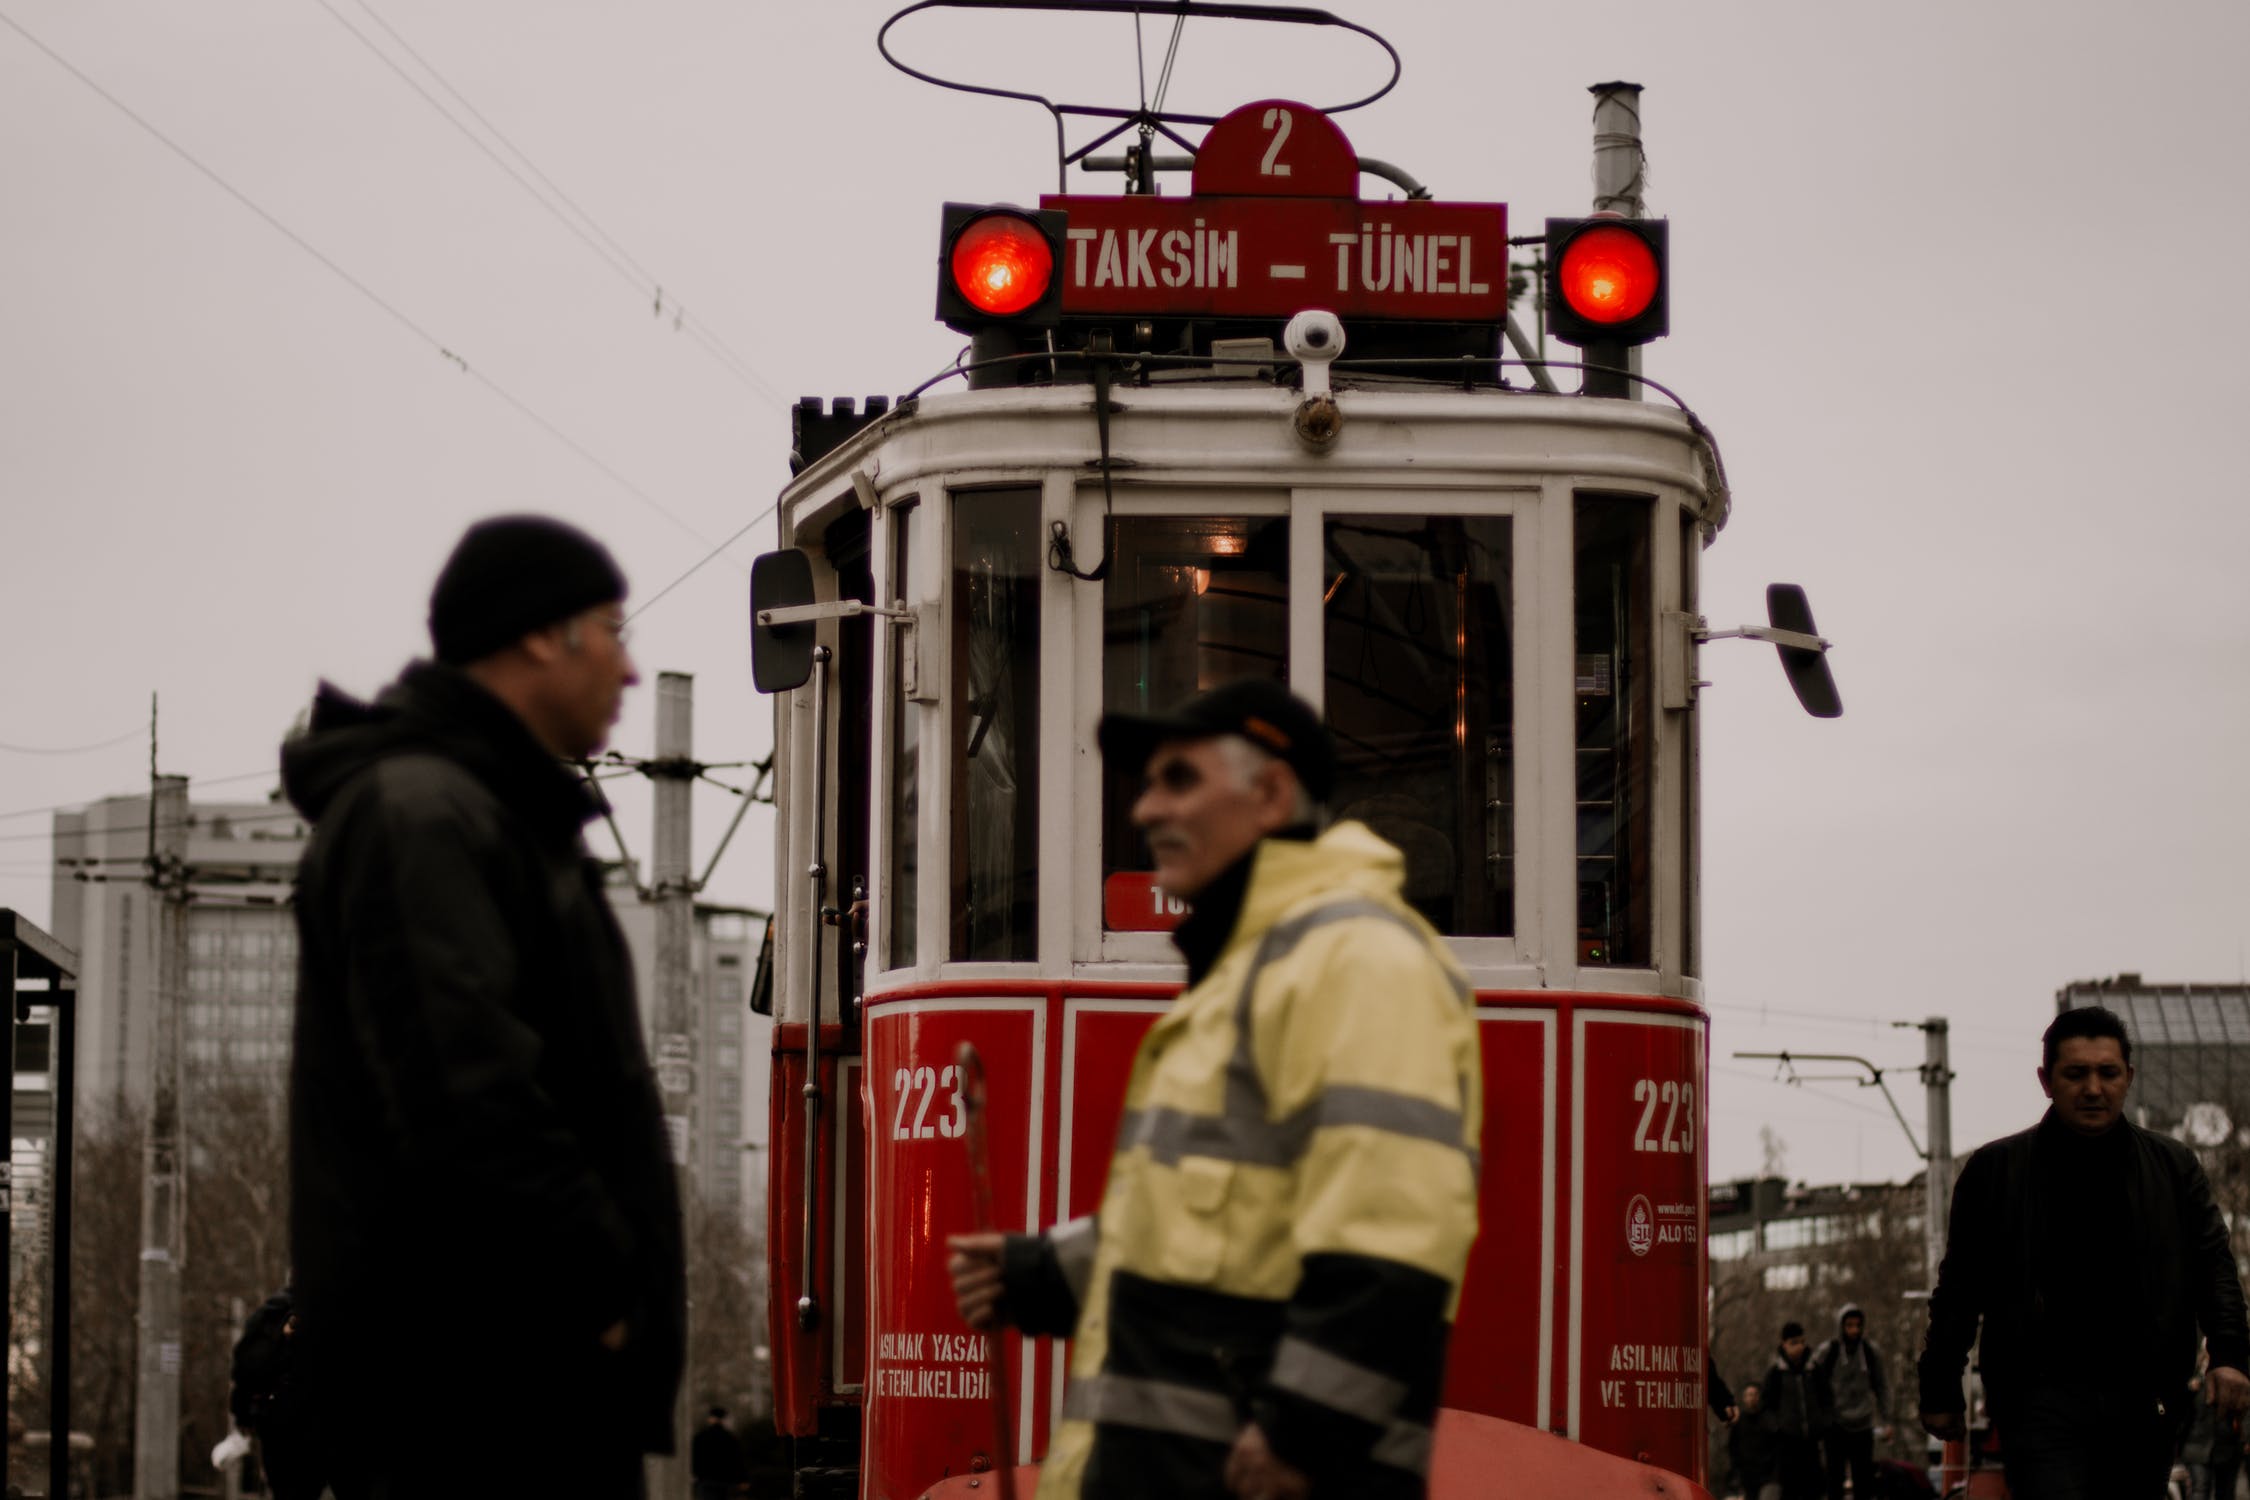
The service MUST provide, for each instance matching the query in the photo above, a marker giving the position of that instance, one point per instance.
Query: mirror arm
(1796, 639)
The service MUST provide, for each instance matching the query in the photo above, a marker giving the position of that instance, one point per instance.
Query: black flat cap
(1260, 709)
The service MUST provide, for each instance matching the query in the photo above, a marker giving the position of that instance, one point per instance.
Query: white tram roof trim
(1420, 438)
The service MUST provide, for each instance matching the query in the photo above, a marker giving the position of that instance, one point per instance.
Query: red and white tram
(1490, 590)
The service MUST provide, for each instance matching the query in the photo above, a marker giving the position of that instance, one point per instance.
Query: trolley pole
(156, 1425)
(674, 771)
(1937, 1179)
(1620, 176)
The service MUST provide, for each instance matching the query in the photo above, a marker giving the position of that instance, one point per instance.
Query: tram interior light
(997, 265)
(1607, 280)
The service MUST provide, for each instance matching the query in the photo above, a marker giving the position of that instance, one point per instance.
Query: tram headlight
(1608, 280)
(999, 265)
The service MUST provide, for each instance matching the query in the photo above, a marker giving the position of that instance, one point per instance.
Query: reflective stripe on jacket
(1291, 1203)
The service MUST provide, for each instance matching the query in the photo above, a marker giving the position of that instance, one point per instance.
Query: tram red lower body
(1583, 1310)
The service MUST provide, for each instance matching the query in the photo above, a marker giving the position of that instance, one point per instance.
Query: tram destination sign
(1258, 257)
(1275, 225)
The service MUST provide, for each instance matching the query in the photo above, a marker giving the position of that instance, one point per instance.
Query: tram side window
(995, 692)
(1190, 602)
(906, 757)
(1616, 729)
(1421, 694)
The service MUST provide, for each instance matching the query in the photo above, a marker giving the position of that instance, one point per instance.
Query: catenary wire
(73, 806)
(130, 734)
(1171, 55)
(353, 281)
(600, 241)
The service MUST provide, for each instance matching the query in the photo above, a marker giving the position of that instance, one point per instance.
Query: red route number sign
(1275, 225)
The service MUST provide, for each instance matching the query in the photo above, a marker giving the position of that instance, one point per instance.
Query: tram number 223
(918, 1088)
(1675, 1131)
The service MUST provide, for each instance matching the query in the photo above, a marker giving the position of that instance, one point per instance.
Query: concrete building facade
(241, 976)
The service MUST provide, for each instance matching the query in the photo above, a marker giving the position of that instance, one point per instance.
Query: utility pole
(156, 1424)
(1937, 1086)
(674, 771)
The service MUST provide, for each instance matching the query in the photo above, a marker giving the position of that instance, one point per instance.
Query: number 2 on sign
(1674, 1097)
(923, 1083)
(1277, 120)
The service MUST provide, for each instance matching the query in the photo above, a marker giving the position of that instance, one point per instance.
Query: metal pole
(58, 1312)
(1620, 175)
(156, 1424)
(816, 873)
(11, 970)
(674, 771)
(1937, 1181)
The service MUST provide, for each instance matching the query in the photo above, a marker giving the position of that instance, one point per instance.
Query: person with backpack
(1856, 1398)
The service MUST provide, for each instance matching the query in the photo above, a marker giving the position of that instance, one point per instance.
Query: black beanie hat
(511, 575)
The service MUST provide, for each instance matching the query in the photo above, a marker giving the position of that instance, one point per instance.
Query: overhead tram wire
(600, 241)
(130, 734)
(355, 283)
(200, 781)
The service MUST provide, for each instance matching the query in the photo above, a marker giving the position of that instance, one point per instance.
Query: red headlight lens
(1002, 264)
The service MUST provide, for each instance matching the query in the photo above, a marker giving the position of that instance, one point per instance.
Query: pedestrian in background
(2212, 1449)
(716, 1461)
(1753, 1448)
(2092, 1255)
(484, 1221)
(1855, 1395)
(1797, 1418)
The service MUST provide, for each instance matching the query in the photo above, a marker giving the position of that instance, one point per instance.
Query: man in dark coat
(1795, 1416)
(484, 1223)
(2092, 1254)
(1753, 1448)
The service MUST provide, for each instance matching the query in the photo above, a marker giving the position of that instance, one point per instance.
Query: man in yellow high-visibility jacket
(1261, 1306)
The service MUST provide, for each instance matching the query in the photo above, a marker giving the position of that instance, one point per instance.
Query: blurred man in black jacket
(2092, 1254)
(484, 1221)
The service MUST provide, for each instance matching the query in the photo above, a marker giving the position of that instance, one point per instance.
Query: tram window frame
(1019, 935)
(1092, 819)
(1374, 724)
(896, 933)
(1613, 672)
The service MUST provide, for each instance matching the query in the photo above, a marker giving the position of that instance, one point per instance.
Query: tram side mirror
(780, 655)
(1788, 609)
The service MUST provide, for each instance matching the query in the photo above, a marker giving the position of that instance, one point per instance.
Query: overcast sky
(1958, 286)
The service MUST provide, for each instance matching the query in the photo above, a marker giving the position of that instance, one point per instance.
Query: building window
(730, 1125)
(730, 1089)
(730, 1056)
(730, 1023)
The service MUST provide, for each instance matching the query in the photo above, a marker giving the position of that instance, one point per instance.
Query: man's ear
(548, 645)
(2046, 1084)
(1277, 795)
